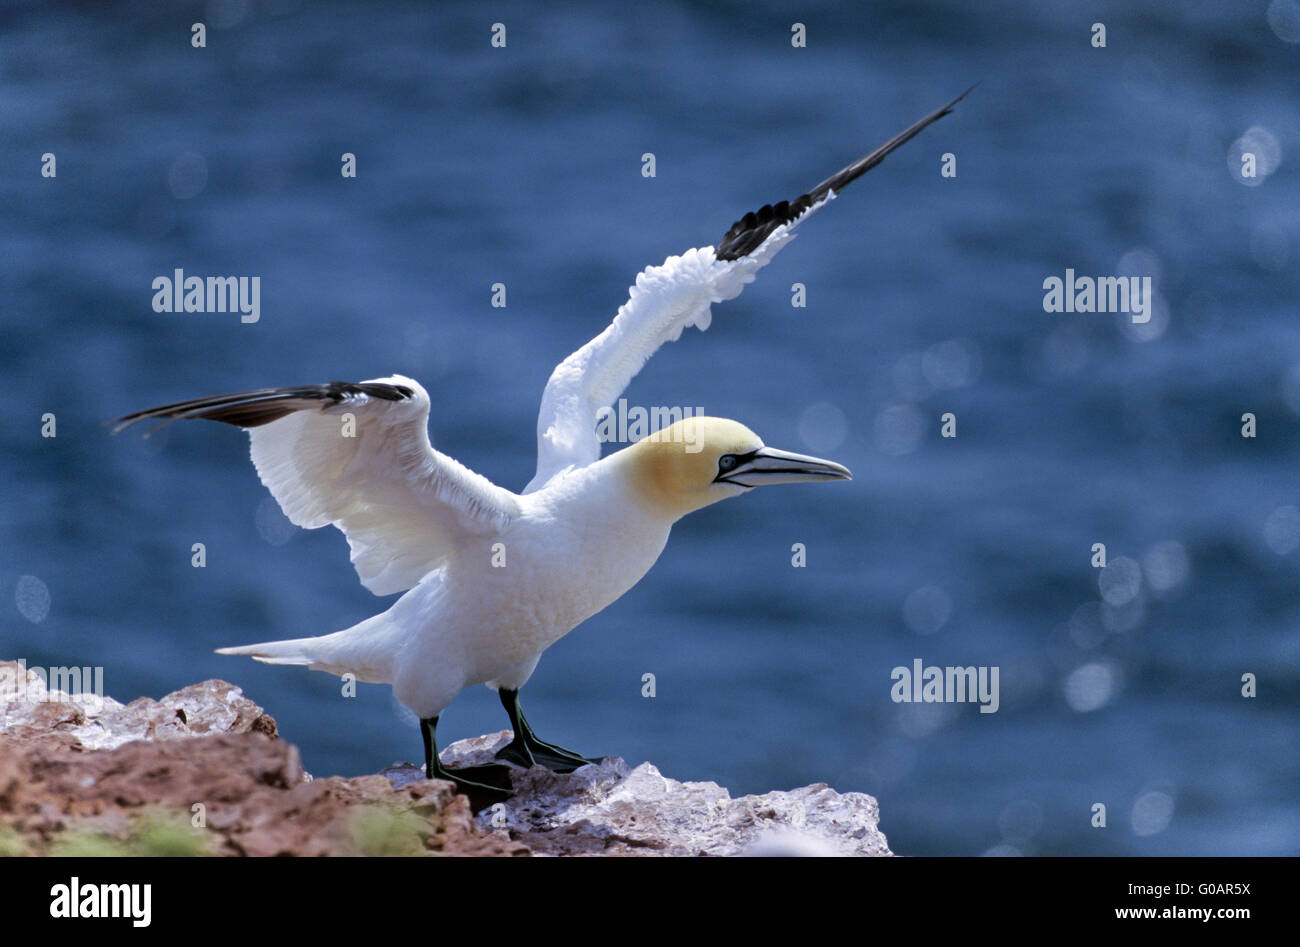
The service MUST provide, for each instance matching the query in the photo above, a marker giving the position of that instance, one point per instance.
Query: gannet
(491, 578)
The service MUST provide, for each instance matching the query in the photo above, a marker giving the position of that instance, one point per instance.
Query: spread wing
(665, 300)
(358, 456)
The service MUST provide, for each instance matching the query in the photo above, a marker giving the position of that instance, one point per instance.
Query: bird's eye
(727, 461)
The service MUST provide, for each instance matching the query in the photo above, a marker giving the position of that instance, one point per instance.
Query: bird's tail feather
(351, 651)
(276, 652)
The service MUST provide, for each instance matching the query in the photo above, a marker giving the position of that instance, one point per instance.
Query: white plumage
(663, 301)
(403, 506)
(491, 578)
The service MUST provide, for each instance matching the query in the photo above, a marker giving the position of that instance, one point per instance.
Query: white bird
(493, 578)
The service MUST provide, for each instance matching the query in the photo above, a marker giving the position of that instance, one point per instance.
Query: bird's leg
(526, 750)
(483, 785)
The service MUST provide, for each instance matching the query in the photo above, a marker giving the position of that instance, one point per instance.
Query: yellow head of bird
(701, 460)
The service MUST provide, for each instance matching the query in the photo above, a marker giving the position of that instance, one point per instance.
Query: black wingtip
(250, 409)
(947, 109)
(751, 231)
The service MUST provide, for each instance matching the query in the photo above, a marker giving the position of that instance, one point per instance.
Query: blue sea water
(522, 165)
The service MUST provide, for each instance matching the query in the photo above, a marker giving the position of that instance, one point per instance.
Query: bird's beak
(770, 465)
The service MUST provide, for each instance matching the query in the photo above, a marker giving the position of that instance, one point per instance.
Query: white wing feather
(403, 506)
(664, 300)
